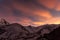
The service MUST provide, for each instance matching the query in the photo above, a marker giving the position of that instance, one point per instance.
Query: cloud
(55, 20)
(30, 12)
(48, 3)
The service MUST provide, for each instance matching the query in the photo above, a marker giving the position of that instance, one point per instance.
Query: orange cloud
(58, 7)
(48, 3)
(22, 7)
(50, 21)
(55, 20)
(43, 13)
(36, 12)
(25, 21)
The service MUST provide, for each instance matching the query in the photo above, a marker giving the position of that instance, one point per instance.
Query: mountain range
(16, 31)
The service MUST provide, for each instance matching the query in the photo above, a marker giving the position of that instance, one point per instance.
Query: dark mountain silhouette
(54, 35)
(16, 31)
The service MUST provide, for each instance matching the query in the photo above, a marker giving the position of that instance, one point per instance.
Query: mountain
(54, 35)
(16, 31)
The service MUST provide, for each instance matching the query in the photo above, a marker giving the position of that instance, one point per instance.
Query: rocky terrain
(16, 31)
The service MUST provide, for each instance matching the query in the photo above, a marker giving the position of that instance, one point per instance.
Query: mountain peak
(3, 22)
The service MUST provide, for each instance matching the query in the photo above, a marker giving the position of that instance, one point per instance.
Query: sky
(30, 12)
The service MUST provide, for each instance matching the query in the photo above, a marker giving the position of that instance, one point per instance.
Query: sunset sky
(31, 12)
